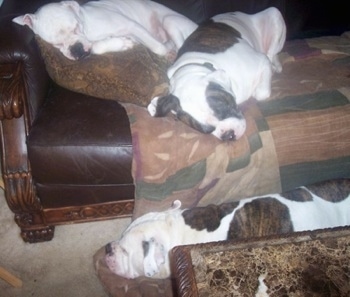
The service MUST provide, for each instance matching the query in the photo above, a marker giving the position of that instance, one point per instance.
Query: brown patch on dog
(209, 217)
(333, 191)
(298, 195)
(210, 37)
(260, 217)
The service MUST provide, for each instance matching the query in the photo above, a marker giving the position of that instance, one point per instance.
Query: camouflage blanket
(301, 135)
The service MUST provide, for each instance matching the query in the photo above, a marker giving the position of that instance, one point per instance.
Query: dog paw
(262, 93)
(127, 43)
(113, 44)
(152, 107)
(276, 65)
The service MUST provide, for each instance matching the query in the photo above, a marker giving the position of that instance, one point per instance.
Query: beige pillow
(133, 76)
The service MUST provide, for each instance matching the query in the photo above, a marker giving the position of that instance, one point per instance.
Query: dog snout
(78, 51)
(109, 249)
(230, 129)
(228, 135)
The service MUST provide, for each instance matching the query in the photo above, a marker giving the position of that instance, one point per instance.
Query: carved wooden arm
(19, 189)
(24, 84)
(11, 91)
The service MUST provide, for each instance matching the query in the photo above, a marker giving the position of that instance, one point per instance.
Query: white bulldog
(109, 26)
(222, 64)
(144, 246)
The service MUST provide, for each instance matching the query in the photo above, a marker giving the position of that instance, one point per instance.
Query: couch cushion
(133, 76)
(80, 140)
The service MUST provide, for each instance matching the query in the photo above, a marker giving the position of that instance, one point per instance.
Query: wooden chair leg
(10, 278)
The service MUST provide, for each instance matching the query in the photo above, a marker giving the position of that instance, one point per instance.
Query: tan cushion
(133, 76)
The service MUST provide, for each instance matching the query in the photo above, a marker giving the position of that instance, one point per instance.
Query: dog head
(205, 103)
(135, 255)
(144, 246)
(59, 25)
(141, 251)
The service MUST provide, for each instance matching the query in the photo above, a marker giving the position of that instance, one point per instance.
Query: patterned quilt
(301, 135)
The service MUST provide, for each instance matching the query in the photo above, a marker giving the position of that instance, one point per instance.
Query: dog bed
(133, 76)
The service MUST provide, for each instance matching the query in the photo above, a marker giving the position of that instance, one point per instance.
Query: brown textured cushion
(133, 76)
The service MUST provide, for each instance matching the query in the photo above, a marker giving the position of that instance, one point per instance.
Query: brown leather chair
(66, 157)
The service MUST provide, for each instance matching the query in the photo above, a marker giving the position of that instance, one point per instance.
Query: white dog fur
(109, 26)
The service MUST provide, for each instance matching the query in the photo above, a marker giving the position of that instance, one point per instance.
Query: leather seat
(89, 146)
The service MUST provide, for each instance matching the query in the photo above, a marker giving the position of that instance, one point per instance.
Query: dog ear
(145, 248)
(72, 4)
(161, 106)
(27, 19)
(155, 256)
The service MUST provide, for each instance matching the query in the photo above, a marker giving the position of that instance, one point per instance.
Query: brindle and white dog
(144, 246)
(223, 63)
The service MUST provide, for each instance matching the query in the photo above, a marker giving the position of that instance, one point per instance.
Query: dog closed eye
(221, 102)
(145, 248)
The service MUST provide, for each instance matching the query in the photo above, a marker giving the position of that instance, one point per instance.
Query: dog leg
(113, 44)
(141, 35)
(263, 87)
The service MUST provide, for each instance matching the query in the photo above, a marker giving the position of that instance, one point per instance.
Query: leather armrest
(18, 47)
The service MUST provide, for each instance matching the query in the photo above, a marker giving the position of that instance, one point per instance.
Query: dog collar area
(207, 65)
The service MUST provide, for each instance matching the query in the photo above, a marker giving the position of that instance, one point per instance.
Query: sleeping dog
(144, 246)
(222, 64)
(109, 26)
